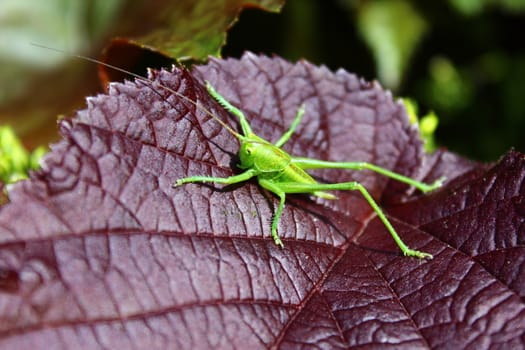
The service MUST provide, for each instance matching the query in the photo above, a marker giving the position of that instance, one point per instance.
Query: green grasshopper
(281, 173)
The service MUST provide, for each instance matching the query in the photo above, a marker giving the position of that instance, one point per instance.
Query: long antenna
(150, 85)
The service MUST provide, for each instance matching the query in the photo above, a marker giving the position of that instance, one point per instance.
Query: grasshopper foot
(436, 184)
(277, 240)
(177, 183)
(417, 254)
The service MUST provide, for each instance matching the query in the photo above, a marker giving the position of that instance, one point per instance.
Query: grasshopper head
(253, 149)
(257, 153)
(247, 154)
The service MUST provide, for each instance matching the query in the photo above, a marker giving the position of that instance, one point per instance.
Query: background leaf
(195, 29)
(98, 250)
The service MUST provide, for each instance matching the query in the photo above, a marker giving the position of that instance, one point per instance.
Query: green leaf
(392, 30)
(476, 7)
(448, 88)
(427, 124)
(15, 160)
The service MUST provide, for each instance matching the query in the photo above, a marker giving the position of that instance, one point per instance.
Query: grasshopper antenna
(149, 83)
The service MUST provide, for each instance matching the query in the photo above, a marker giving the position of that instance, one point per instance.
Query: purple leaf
(98, 250)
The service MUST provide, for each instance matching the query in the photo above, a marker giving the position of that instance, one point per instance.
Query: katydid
(281, 173)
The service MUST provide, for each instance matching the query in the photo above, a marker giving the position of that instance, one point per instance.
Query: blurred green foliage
(427, 124)
(15, 160)
(392, 29)
(67, 24)
(463, 59)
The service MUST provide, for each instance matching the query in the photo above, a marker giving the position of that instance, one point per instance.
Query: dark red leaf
(98, 250)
